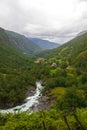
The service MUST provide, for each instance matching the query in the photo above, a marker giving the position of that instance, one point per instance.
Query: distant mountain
(21, 42)
(29, 45)
(44, 44)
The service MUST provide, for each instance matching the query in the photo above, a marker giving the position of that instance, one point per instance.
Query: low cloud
(54, 20)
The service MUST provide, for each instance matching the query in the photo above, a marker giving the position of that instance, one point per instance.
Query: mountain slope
(65, 82)
(15, 75)
(74, 50)
(67, 69)
(9, 54)
(22, 42)
(44, 44)
(67, 64)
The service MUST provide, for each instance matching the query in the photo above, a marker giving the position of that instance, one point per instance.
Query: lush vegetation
(64, 74)
(45, 120)
(68, 68)
(15, 73)
(22, 42)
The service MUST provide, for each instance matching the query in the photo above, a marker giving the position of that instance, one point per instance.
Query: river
(30, 101)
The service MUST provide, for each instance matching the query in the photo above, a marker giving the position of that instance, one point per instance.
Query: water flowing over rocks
(35, 101)
(29, 102)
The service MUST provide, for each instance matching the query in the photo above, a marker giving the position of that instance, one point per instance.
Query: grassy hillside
(69, 59)
(23, 43)
(67, 69)
(71, 48)
(73, 52)
(9, 55)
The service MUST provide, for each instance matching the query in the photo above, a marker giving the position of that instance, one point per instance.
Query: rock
(30, 91)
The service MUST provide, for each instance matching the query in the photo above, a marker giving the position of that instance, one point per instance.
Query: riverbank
(29, 101)
(34, 101)
(44, 103)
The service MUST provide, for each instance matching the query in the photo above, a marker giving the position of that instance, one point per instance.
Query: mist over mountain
(81, 33)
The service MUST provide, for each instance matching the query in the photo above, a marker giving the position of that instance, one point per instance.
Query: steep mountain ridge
(8, 53)
(22, 42)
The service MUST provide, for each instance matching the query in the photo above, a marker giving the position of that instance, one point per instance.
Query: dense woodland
(64, 75)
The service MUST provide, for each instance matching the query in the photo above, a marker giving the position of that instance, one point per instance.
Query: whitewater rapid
(30, 101)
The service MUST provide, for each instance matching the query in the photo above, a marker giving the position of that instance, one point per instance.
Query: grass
(56, 92)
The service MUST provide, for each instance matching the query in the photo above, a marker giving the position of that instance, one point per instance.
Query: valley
(63, 72)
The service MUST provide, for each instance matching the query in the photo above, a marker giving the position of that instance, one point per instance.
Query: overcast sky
(56, 20)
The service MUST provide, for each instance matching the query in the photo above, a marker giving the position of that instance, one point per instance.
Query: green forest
(64, 76)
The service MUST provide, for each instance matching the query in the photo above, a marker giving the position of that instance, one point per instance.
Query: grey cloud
(83, 0)
(34, 23)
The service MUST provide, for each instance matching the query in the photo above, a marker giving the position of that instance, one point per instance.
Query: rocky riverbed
(35, 101)
(44, 103)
